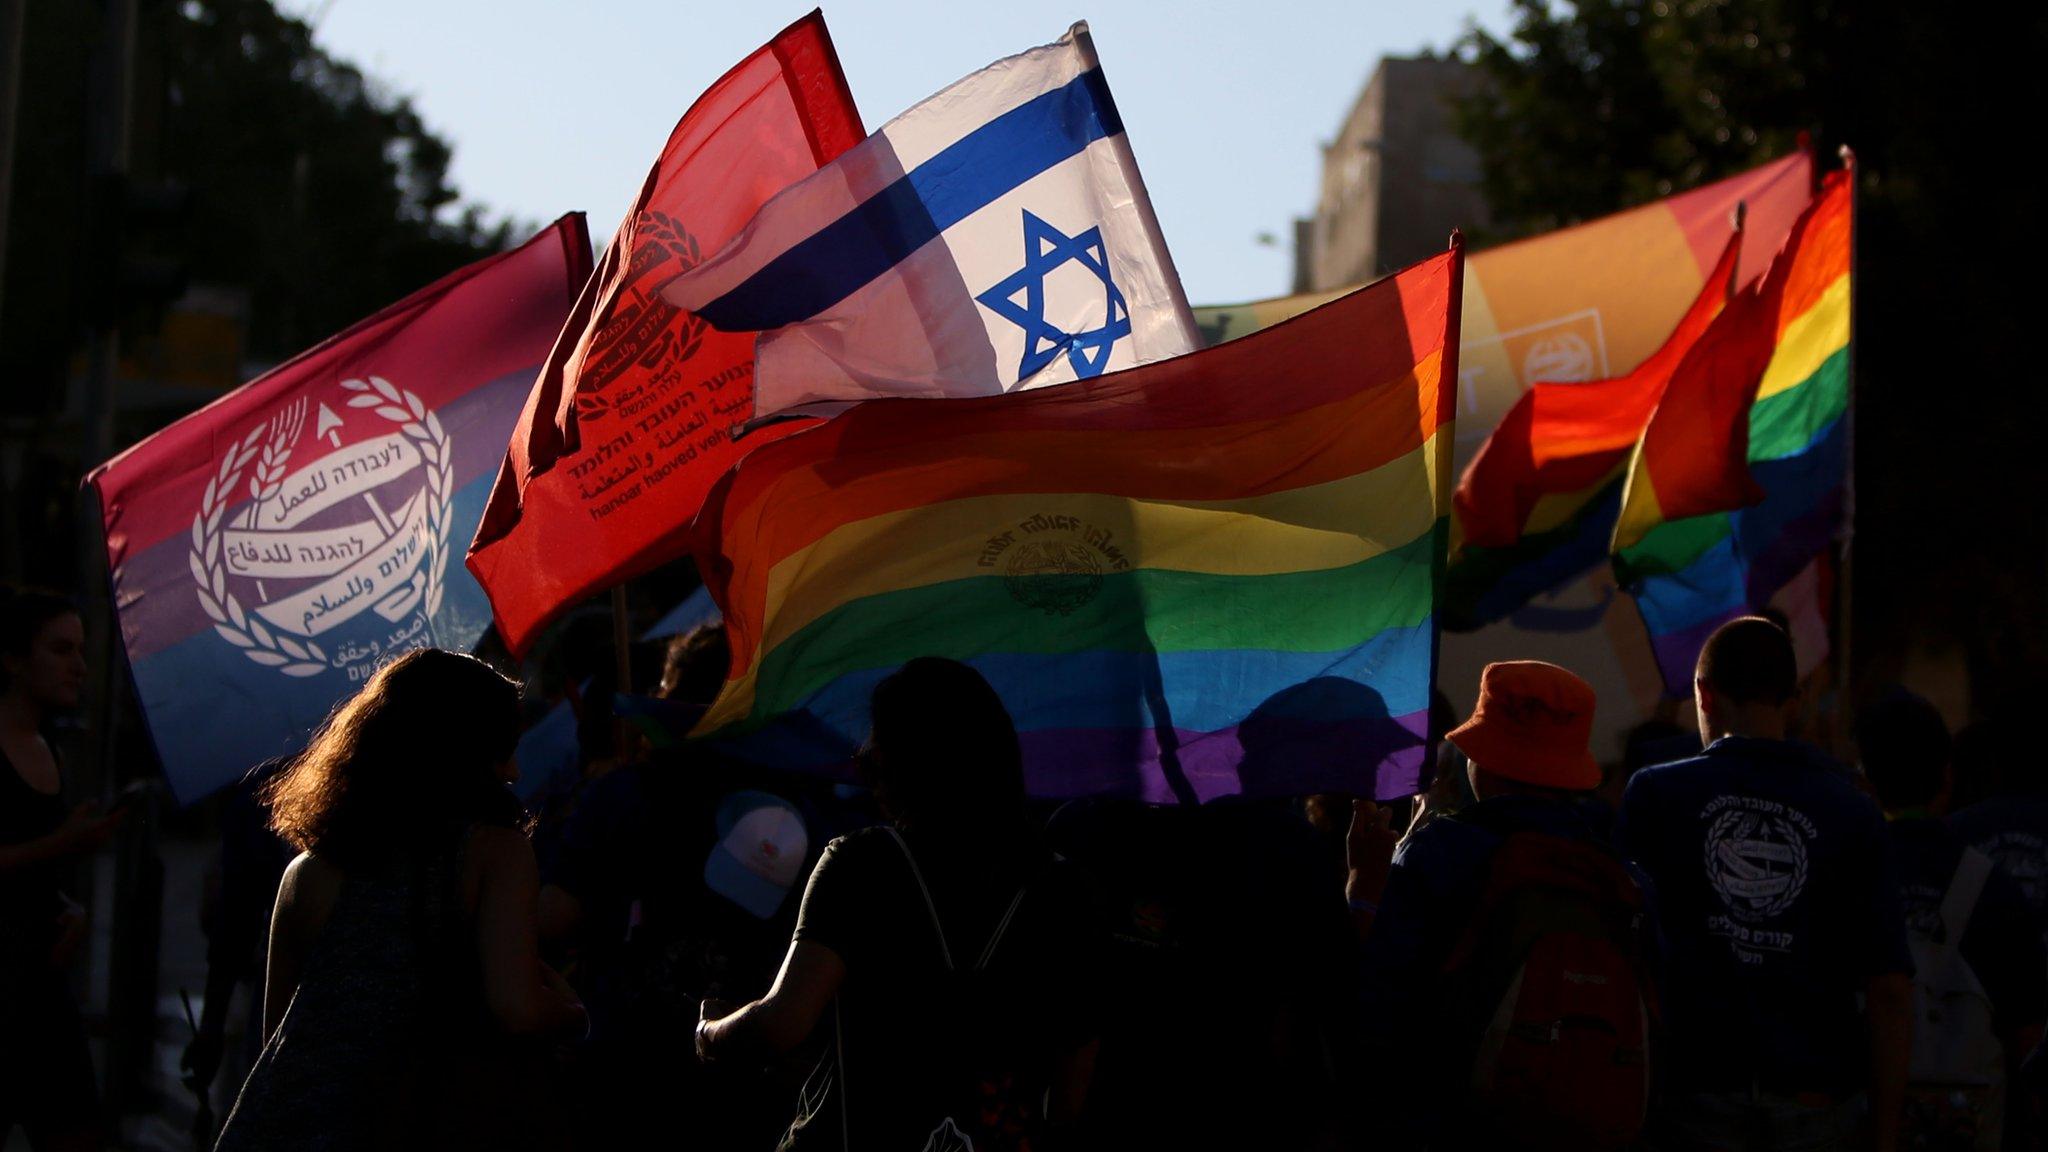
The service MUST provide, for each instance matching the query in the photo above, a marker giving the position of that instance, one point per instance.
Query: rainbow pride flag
(1537, 503)
(1210, 575)
(1588, 302)
(1690, 575)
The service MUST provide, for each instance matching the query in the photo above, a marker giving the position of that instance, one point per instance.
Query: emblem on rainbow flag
(335, 562)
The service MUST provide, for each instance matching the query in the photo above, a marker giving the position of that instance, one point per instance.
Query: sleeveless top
(31, 897)
(387, 1042)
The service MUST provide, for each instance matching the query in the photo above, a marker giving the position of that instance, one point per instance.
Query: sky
(554, 106)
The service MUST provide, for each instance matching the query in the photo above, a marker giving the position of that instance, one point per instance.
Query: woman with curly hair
(406, 1004)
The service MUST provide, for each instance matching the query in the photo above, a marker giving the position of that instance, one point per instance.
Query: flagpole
(1845, 616)
(622, 670)
(622, 641)
(1084, 43)
(1446, 440)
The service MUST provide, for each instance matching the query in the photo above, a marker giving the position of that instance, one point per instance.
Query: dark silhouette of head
(1747, 681)
(1904, 746)
(1326, 733)
(943, 755)
(42, 648)
(422, 751)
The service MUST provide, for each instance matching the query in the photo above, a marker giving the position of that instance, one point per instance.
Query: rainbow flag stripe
(1536, 505)
(1214, 574)
(1691, 575)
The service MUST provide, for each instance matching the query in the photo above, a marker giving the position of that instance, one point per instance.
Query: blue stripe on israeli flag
(967, 176)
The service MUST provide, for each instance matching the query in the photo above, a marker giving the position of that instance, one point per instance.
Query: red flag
(632, 417)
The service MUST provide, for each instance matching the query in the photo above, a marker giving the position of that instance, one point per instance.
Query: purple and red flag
(631, 418)
(271, 549)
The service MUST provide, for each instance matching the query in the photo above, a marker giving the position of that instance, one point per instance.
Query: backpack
(1955, 1097)
(1550, 978)
(985, 1108)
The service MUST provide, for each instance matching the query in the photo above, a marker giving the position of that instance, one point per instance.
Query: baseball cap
(762, 843)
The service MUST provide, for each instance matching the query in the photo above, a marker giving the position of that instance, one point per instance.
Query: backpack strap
(1002, 926)
(839, 1070)
(932, 909)
(1964, 890)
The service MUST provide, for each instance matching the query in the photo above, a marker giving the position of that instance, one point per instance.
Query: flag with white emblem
(996, 236)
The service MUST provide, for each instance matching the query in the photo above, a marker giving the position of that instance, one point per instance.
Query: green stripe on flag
(1143, 610)
(1787, 423)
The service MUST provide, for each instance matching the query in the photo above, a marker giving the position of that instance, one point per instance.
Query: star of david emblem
(1020, 299)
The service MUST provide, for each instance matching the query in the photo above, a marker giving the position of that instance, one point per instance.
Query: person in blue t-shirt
(1779, 903)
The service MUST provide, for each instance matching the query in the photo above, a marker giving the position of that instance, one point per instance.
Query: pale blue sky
(554, 106)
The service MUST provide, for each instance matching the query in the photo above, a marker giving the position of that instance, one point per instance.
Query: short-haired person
(1445, 937)
(46, 1072)
(1779, 903)
(403, 963)
(949, 950)
(1903, 745)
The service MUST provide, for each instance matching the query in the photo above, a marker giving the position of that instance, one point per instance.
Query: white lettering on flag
(386, 568)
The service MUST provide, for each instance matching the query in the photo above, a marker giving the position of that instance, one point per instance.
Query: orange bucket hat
(1534, 724)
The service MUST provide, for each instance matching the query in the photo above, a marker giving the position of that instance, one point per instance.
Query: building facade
(1396, 179)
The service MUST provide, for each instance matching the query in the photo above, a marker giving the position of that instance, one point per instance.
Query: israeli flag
(996, 236)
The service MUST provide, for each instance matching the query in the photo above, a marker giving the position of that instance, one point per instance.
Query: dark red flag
(269, 551)
(632, 417)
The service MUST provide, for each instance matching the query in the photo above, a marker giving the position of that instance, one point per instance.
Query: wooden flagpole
(622, 641)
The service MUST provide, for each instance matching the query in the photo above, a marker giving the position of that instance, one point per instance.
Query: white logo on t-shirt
(1757, 863)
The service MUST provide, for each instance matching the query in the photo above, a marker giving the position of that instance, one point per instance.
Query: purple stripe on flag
(1788, 553)
(1679, 652)
(1380, 757)
(1383, 757)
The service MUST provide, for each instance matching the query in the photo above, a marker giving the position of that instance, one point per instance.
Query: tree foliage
(1601, 104)
(326, 196)
(320, 193)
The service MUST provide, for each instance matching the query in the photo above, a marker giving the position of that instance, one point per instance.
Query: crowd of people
(1727, 940)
